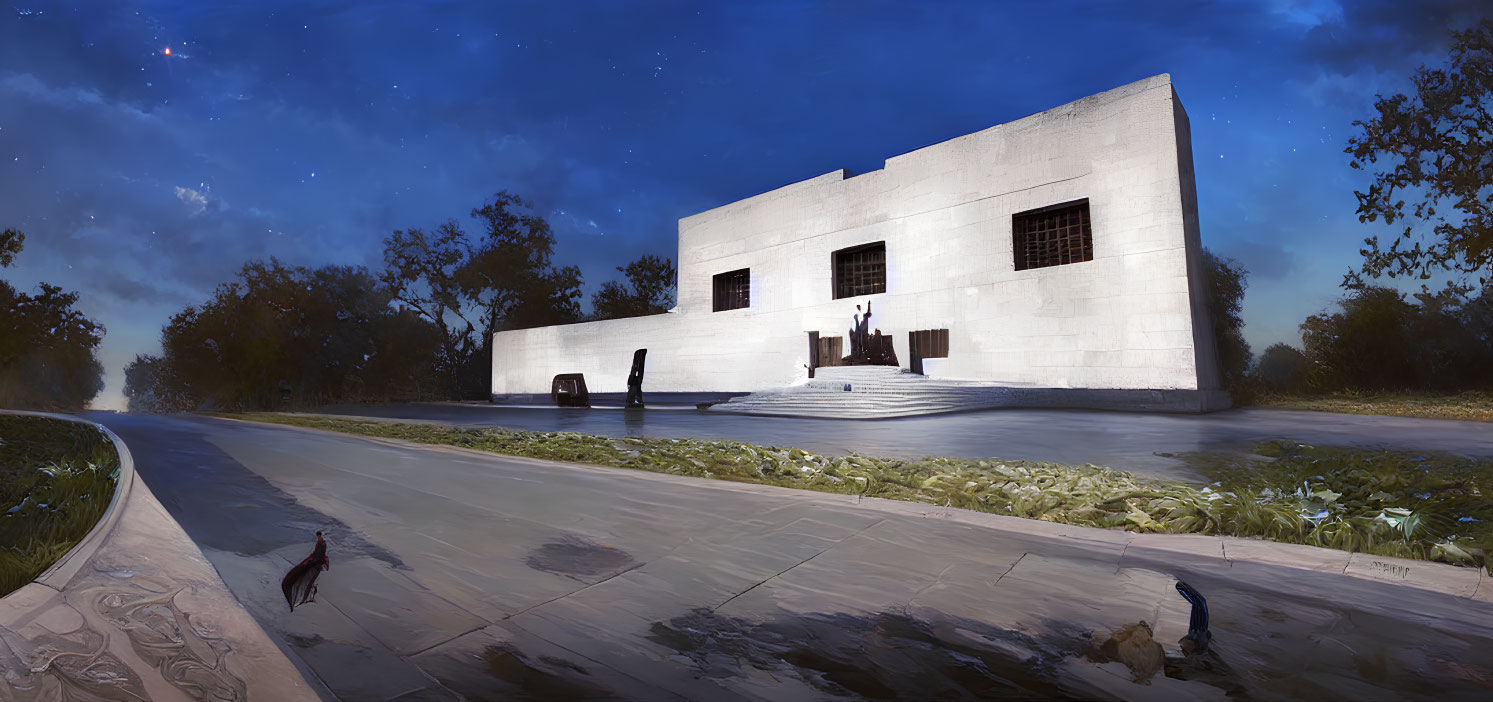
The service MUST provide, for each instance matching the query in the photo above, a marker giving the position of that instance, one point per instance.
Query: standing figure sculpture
(855, 333)
(299, 584)
(867, 349)
(865, 331)
(635, 380)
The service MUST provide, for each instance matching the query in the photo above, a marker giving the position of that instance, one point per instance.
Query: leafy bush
(1432, 507)
(1283, 368)
(1435, 506)
(1226, 280)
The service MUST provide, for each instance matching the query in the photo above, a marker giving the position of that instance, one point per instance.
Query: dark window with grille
(860, 270)
(1052, 236)
(733, 291)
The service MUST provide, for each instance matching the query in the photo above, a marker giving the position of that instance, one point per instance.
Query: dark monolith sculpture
(635, 380)
(1198, 636)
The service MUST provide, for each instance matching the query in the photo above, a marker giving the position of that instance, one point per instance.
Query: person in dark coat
(299, 584)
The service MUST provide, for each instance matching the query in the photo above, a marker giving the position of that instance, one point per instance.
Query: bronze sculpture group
(867, 347)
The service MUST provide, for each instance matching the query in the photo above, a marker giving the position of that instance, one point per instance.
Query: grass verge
(1436, 507)
(1468, 406)
(56, 481)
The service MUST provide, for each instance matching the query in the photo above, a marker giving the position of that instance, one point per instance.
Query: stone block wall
(1132, 318)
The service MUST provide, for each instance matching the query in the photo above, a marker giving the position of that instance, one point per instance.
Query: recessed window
(733, 290)
(1052, 236)
(860, 270)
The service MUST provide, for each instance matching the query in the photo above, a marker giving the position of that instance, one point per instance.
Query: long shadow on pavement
(220, 503)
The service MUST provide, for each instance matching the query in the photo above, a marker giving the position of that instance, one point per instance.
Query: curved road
(1124, 440)
(463, 575)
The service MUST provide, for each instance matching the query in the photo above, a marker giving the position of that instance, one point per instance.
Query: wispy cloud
(195, 201)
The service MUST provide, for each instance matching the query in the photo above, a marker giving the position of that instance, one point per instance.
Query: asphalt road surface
(461, 575)
(1123, 440)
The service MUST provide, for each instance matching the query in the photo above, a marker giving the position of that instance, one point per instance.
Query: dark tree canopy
(1379, 340)
(278, 336)
(283, 337)
(47, 346)
(1226, 282)
(421, 271)
(153, 384)
(11, 242)
(1366, 345)
(509, 274)
(650, 289)
(1436, 148)
(503, 280)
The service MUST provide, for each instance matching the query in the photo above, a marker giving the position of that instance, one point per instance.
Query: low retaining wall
(135, 611)
(1191, 401)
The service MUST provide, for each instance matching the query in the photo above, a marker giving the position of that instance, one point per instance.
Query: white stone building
(1059, 251)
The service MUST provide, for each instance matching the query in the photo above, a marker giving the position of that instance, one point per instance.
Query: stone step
(870, 406)
(859, 390)
(876, 391)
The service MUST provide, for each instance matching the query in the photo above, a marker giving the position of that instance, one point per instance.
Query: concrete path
(1123, 440)
(459, 574)
(135, 612)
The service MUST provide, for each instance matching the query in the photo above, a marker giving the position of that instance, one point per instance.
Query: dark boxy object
(569, 390)
(813, 352)
(635, 380)
(927, 343)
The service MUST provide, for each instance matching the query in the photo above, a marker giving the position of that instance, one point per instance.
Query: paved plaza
(462, 574)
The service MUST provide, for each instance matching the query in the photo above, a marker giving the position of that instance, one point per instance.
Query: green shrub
(57, 479)
(1387, 503)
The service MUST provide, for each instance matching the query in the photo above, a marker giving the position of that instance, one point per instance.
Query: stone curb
(1457, 581)
(59, 573)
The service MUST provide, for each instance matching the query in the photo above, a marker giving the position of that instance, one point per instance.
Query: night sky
(309, 130)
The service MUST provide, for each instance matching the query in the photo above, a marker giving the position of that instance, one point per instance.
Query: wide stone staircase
(869, 392)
